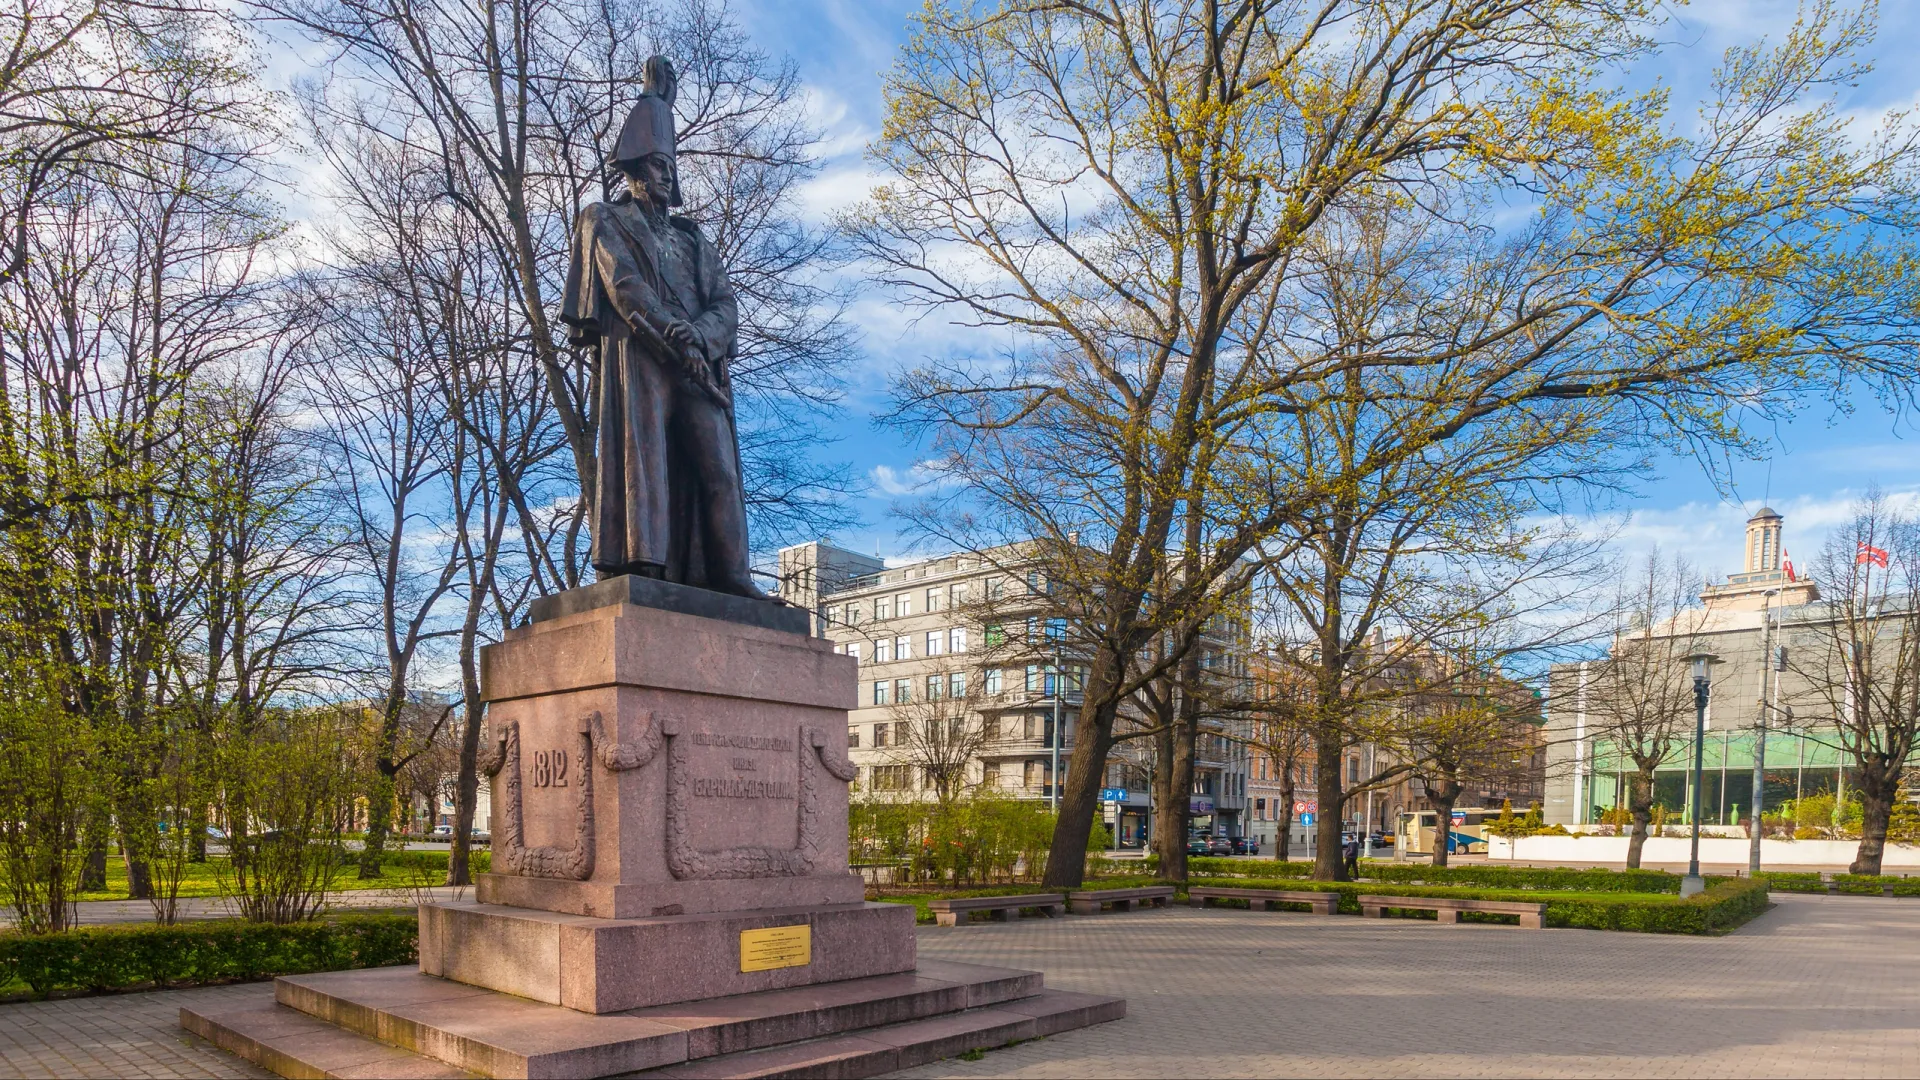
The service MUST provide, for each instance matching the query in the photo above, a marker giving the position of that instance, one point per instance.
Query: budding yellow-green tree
(1127, 187)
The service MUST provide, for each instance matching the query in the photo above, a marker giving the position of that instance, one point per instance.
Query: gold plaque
(776, 947)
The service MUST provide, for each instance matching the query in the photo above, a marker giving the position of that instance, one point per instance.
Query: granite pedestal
(669, 790)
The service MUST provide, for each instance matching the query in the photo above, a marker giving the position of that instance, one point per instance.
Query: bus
(1416, 828)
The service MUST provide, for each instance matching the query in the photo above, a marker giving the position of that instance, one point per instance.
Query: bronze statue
(647, 291)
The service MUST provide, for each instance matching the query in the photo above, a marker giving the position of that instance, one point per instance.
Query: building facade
(1744, 623)
(970, 676)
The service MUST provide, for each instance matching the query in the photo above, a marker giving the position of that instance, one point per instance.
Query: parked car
(1246, 845)
(441, 833)
(1199, 845)
(1221, 845)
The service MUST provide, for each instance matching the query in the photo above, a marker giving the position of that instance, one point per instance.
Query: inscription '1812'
(549, 768)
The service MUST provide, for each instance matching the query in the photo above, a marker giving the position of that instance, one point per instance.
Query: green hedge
(1793, 882)
(1727, 903)
(924, 914)
(1874, 884)
(137, 956)
(1493, 877)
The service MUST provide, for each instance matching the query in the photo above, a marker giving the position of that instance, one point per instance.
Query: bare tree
(940, 735)
(1863, 669)
(519, 126)
(1640, 698)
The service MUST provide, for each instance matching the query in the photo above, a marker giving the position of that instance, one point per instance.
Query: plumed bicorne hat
(650, 127)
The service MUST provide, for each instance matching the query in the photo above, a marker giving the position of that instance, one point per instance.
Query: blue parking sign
(1113, 794)
(1306, 819)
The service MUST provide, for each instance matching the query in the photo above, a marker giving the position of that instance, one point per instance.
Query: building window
(903, 605)
(902, 691)
(933, 601)
(853, 649)
(957, 639)
(1056, 629)
(853, 738)
(892, 777)
(936, 642)
(1036, 775)
(903, 648)
(994, 635)
(1040, 679)
(880, 692)
(957, 685)
(996, 588)
(851, 615)
(1353, 770)
(936, 687)
(882, 607)
(883, 650)
(990, 774)
(992, 685)
(880, 733)
(957, 594)
(1036, 582)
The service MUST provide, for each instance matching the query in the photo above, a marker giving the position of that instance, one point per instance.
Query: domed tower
(1765, 571)
(1763, 541)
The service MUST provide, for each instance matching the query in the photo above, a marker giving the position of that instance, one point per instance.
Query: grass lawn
(401, 870)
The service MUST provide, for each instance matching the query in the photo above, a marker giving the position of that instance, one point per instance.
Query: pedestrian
(1350, 851)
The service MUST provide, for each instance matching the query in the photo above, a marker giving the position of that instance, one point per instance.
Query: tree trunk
(1283, 842)
(1640, 802)
(1175, 815)
(1164, 834)
(1876, 804)
(1080, 796)
(466, 787)
(1442, 796)
(1327, 862)
(379, 821)
(93, 871)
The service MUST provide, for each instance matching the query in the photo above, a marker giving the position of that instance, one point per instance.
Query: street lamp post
(1693, 884)
(1059, 689)
(1757, 800)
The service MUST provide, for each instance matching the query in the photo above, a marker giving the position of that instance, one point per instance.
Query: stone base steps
(397, 1022)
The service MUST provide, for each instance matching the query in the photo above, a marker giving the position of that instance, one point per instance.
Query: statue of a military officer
(647, 291)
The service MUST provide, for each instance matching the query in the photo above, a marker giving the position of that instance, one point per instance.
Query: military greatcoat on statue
(648, 293)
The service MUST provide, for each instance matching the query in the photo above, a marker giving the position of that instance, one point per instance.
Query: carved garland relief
(685, 861)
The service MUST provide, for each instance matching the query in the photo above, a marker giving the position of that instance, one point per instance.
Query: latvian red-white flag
(1870, 554)
(1787, 561)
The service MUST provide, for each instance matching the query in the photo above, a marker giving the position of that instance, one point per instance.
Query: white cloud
(917, 479)
(1710, 535)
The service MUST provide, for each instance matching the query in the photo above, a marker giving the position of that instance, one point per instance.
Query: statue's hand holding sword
(677, 339)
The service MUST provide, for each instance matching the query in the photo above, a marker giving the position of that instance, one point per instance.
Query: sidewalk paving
(1819, 986)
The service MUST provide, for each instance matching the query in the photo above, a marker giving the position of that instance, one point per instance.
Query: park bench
(1323, 903)
(955, 911)
(1448, 908)
(1088, 901)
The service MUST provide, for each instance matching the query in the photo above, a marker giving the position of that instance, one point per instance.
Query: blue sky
(1820, 461)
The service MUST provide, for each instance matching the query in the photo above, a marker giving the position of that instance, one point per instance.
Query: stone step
(496, 1034)
(874, 1051)
(292, 1044)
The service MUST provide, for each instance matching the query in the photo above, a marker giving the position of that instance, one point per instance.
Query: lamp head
(1702, 660)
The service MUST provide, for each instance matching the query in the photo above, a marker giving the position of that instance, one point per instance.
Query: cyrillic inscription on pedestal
(776, 947)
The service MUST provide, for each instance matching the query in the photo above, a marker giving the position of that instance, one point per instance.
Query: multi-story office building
(970, 674)
(1743, 623)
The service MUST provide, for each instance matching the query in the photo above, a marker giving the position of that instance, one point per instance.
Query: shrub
(139, 956)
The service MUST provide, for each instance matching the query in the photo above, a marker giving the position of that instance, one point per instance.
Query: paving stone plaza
(1819, 986)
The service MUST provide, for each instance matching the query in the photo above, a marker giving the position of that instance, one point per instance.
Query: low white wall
(1713, 849)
